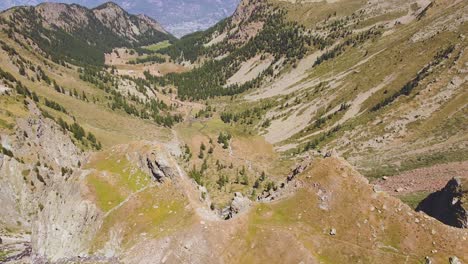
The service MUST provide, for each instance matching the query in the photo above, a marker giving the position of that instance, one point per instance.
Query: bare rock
(454, 260)
(427, 260)
(156, 163)
(449, 205)
(238, 205)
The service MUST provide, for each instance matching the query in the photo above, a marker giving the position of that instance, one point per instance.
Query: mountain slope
(180, 17)
(364, 81)
(222, 146)
(382, 84)
(80, 35)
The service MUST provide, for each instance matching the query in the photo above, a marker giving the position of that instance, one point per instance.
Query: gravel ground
(423, 179)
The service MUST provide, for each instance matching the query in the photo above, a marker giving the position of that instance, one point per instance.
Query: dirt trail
(128, 199)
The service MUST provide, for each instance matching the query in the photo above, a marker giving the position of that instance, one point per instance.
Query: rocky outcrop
(155, 162)
(286, 187)
(449, 205)
(112, 16)
(41, 190)
(238, 205)
(124, 24)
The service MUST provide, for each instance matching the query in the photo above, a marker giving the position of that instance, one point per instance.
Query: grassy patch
(413, 199)
(158, 46)
(155, 212)
(380, 18)
(117, 180)
(4, 254)
(379, 170)
(107, 195)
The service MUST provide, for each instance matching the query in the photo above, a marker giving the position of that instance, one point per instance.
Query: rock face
(238, 205)
(38, 197)
(449, 205)
(155, 162)
(112, 16)
(124, 24)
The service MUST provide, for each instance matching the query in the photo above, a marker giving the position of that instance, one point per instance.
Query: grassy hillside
(252, 142)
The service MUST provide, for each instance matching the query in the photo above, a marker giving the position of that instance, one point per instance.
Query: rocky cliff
(448, 205)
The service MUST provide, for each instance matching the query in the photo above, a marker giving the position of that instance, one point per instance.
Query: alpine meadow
(291, 131)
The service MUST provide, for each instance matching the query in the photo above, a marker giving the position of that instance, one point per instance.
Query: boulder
(448, 205)
(454, 260)
(238, 205)
(427, 260)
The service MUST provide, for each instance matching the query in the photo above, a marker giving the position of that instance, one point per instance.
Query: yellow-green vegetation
(158, 46)
(309, 14)
(114, 179)
(110, 127)
(12, 108)
(363, 137)
(107, 194)
(134, 204)
(368, 232)
(155, 212)
(239, 163)
(384, 17)
(413, 199)
(4, 254)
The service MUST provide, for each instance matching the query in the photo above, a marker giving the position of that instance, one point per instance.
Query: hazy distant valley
(289, 132)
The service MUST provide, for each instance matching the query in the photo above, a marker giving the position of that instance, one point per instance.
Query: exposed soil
(424, 179)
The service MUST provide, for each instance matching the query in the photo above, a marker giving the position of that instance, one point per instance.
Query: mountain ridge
(80, 27)
(290, 132)
(180, 18)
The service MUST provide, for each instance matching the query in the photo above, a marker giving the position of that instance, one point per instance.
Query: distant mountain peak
(109, 5)
(179, 17)
(101, 28)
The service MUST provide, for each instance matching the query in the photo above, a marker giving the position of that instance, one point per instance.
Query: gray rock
(447, 205)
(427, 260)
(238, 205)
(454, 260)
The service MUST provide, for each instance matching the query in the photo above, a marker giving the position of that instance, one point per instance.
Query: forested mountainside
(180, 17)
(79, 35)
(290, 132)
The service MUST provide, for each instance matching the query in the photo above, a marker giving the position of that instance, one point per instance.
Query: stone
(454, 260)
(427, 260)
(238, 204)
(448, 205)
(332, 232)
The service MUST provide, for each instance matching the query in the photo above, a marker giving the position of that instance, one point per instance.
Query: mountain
(179, 17)
(75, 33)
(289, 132)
